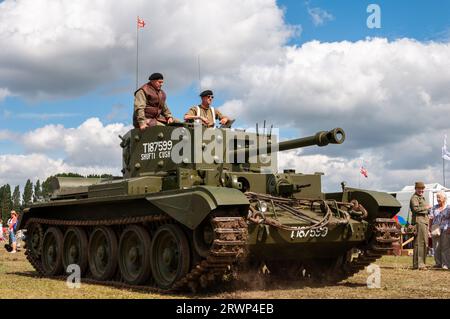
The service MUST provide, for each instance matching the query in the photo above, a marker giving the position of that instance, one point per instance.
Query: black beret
(156, 76)
(206, 93)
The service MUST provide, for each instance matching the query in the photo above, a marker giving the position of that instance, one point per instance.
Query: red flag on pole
(140, 23)
(364, 172)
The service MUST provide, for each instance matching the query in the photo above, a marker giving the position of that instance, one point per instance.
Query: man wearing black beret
(150, 108)
(204, 113)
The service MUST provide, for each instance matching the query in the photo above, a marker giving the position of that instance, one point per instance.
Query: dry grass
(398, 280)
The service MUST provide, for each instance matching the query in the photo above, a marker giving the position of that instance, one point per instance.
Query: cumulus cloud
(4, 92)
(16, 169)
(90, 144)
(391, 97)
(319, 16)
(340, 169)
(63, 48)
(91, 148)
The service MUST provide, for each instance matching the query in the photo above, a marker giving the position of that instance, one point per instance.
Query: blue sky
(421, 20)
(64, 63)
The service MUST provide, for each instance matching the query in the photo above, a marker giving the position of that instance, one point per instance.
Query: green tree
(37, 191)
(27, 193)
(16, 198)
(6, 202)
(2, 188)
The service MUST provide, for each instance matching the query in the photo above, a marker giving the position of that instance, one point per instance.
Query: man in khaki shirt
(150, 107)
(419, 208)
(205, 113)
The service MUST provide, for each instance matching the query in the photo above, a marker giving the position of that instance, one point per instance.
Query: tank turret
(162, 150)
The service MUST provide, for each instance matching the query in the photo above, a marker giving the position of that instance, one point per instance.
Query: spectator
(1, 231)
(419, 208)
(436, 228)
(445, 231)
(12, 229)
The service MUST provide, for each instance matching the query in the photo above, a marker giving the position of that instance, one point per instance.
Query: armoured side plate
(192, 206)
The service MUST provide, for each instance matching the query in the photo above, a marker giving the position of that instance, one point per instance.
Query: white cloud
(90, 144)
(63, 48)
(319, 16)
(339, 169)
(91, 148)
(16, 169)
(4, 93)
(380, 92)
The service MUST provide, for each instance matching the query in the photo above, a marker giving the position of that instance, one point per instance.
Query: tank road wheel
(203, 238)
(34, 239)
(170, 256)
(75, 248)
(52, 249)
(102, 253)
(134, 255)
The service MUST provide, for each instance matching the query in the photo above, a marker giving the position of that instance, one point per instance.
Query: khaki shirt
(418, 204)
(140, 101)
(206, 113)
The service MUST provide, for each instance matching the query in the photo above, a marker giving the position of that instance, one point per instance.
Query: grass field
(398, 280)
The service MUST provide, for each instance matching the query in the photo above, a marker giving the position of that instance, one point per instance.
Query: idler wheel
(75, 248)
(34, 239)
(134, 255)
(102, 253)
(170, 256)
(52, 252)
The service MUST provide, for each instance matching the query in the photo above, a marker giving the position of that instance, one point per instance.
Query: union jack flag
(140, 23)
(364, 172)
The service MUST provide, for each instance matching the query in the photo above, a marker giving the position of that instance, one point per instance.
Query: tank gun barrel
(322, 138)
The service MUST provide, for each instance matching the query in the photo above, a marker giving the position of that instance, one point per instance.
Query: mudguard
(377, 204)
(192, 206)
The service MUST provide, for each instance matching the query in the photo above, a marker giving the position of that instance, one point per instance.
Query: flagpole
(443, 170)
(137, 52)
(199, 74)
(359, 175)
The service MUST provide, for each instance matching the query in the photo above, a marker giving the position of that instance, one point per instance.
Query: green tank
(195, 207)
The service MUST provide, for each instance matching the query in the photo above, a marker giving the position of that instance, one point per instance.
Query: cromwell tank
(195, 207)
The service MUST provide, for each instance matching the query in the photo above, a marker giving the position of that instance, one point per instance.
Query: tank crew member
(205, 113)
(419, 208)
(150, 108)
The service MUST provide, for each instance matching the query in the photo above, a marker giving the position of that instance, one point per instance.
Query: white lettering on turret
(153, 150)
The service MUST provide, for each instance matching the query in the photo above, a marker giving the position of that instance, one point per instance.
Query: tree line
(32, 193)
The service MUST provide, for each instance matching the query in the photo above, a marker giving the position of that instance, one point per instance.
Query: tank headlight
(261, 206)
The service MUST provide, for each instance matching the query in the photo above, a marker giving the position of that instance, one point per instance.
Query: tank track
(228, 248)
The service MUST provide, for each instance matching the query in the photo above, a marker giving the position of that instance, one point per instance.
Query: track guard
(192, 206)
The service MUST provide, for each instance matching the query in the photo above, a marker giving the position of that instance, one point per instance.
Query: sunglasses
(210, 96)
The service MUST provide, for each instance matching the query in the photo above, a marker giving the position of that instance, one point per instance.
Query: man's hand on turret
(224, 120)
(143, 126)
(170, 120)
(205, 120)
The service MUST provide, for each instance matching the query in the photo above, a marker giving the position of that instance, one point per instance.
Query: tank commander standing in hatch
(150, 108)
(419, 208)
(205, 113)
